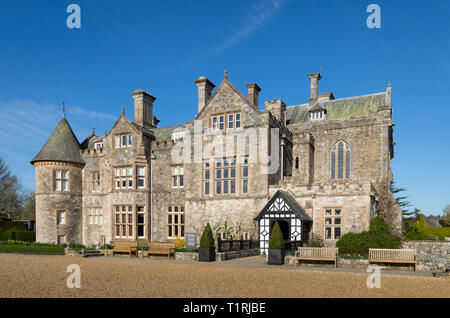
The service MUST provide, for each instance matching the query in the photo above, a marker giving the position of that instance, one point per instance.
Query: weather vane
(64, 109)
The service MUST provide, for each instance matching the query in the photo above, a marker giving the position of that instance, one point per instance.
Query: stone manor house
(333, 175)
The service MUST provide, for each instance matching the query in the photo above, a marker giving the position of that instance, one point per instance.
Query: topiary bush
(276, 241)
(378, 236)
(207, 239)
(27, 236)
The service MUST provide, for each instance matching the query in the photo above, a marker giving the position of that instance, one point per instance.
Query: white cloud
(259, 14)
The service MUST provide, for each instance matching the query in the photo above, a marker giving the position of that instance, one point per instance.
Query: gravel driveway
(45, 276)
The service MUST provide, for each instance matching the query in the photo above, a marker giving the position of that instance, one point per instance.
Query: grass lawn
(31, 249)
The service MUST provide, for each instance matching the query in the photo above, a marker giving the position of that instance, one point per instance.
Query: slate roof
(339, 108)
(165, 133)
(290, 200)
(62, 146)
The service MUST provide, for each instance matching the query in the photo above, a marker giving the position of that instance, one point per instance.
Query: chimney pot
(205, 88)
(143, 108)
(314, 78)
(253, 93)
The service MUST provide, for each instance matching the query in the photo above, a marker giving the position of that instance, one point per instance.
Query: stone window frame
(61, 179)
(180, 225)
(60, 217)
(177, 173)
(95, 182)
(207, 177)
(58, 241)
(297, 162)
(141, 177)
(219, 165)
(120, 137)
(215, 121)
(141, 213)
(118, 220)
(245, 179)
(332, 226)
(95, 218)
(127, 177)
(346, 161)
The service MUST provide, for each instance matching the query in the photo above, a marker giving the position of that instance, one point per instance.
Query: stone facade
(142, 182)
(431, 255)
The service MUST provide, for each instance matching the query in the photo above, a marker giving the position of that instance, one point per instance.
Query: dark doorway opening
(285, 229)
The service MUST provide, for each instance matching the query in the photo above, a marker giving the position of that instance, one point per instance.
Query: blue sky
(162, 46)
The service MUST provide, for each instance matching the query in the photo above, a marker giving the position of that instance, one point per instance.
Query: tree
(401, 200)
(445, 221)
(29, 208)
(10, 197)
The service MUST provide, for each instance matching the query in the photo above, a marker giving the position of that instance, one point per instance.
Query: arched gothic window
(297, 162)
(340, 161)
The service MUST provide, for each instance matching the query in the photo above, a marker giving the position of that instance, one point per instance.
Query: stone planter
(186, 256)
(276, 257)
(207, 254)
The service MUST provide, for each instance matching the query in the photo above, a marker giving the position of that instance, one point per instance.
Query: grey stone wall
(431, 255)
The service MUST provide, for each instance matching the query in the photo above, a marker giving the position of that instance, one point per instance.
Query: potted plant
(207, 252)
(276, 246)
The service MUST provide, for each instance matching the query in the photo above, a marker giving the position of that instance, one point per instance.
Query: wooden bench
(317, 254)
(160, 249)
(124, 247)
(393, 256)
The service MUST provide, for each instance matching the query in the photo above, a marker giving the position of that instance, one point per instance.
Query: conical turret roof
(62, 146)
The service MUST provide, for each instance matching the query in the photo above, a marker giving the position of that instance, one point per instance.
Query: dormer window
(98, 145)
(317, 115)
(178, 135)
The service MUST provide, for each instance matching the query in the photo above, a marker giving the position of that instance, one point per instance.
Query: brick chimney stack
(253, 92)
(314, 78)
(205, 88)
(143, 109)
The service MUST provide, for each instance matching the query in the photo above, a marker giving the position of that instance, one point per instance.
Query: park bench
(317, 254)
(405, 256)
(124, 247)
(160, 249)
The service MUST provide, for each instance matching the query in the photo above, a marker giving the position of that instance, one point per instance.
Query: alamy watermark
(374, 279)
(374, 19)
(74, 279)
(73, 21)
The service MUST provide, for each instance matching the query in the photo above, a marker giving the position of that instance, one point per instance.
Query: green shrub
(276, 238)
(441, 232)
(22, 236)
(432, 237)
(415, 236)
(207, 239)
(378, 236)
(421, 225)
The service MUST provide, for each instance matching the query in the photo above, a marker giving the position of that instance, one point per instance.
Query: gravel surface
(45, 276)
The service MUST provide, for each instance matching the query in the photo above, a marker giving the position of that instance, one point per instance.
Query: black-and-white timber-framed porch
(295, 223)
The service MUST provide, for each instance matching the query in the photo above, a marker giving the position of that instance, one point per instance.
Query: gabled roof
(291, 203)
(62, 146)
(339, 108)
(227, 82)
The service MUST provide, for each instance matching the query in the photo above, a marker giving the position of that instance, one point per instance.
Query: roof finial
(123, 110)
(226, 74)
(63, 110)
(389, 84)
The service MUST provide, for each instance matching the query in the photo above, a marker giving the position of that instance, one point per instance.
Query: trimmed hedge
(441, 232)
(207, 239)
(27, 236)
(378, 236)
(31, 249)
(276, 241)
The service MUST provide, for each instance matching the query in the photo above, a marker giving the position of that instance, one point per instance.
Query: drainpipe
(152, 158)
(282, 159)
(314, 213)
